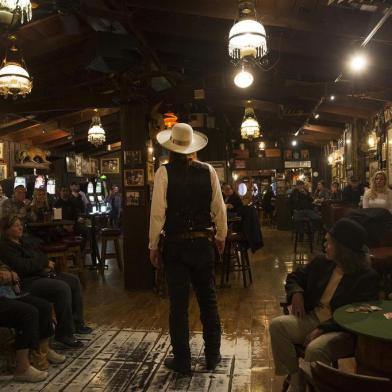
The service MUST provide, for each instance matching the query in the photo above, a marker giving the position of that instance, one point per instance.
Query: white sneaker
(31, 375)
(54, 357)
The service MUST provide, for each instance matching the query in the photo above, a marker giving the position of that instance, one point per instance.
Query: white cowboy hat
(182, 139)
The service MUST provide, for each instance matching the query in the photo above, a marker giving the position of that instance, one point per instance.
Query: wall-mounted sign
(295, 164)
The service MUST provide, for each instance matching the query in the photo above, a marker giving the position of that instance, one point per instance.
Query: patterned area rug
(128, 360)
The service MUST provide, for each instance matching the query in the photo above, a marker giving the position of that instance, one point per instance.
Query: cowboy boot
(38, 359)
(51, 355)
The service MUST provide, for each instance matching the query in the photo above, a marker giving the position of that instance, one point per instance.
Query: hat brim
(198, 143)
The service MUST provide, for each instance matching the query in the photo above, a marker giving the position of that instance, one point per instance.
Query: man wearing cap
(186, 201)
(353, 191)
(341, 277)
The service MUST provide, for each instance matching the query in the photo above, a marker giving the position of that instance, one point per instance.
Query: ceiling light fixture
(358, 63)
(14, 78)
(332, 98)
(250, 128)
(169, 120)
(294, 143)
(262, 146)
(96, 134)
(14, 11)
(316, 116)
(243, 79)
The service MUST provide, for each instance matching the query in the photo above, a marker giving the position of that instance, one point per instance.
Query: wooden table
(374, 345)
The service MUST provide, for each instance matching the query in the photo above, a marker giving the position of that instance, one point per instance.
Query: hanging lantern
(247, 37)
(250, 128)
(169, 120)
(14, 11)
(96, 134)
(14, 78)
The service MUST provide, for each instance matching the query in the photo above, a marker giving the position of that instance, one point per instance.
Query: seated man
(232, 200)
(18, 204)
(38, 278)
(341, 277)
(70, 211)
(301, 203)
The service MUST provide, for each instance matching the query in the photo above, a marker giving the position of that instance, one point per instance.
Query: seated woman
(341, 277)
(38, 278)
(379, 195)
(31, 317)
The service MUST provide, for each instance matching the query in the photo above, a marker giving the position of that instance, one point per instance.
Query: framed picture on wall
(3, 171)
(134, 198)
(110, 165)
(389, 155)
(85, 166)
(70, 161)
(288, 155)
(1, 150)
(93, 166)
(132, 157)
(79, 165)
(150, 172)
(134, 177)
(305, 155)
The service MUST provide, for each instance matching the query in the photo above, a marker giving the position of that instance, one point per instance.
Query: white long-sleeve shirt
(159, 206)
(382, 200)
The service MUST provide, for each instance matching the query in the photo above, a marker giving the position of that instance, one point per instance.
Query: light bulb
(330, 159)
(316, 116)
(332, 97)
(358, 63)
(243, 79)
(262, 145)
(294, 143)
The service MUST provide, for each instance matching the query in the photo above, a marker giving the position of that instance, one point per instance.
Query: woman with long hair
(379, 195)
(39, 206)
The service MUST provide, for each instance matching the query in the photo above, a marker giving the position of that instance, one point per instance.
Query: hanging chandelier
(14, 78)
(247, 37)
(96, 134)
(250, 128)
(15, 11)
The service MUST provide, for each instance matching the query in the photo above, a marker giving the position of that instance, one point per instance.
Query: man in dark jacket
(353, 191)
(232, 200)
(341, 277)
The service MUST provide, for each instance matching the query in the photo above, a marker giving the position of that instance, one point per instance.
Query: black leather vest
(189, 195)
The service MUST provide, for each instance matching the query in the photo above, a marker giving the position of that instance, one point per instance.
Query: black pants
(65, 293)
(187, 262)
(31, 317)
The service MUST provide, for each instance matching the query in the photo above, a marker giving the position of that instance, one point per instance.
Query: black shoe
(70, 341)
(212, 361)
(83, 329)
(177, 366)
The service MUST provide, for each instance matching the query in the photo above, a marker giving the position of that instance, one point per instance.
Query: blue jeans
(191, 262)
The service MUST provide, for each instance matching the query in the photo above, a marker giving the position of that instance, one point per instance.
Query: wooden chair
(300, 238)
(328, 379)
(74, 253)
(57, 251)
(111, 234)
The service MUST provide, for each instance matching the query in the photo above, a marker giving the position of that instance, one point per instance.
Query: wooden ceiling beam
(353, 112)
(323, 129)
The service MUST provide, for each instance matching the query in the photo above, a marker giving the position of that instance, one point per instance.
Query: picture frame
(70, 162)
(85, 166)
(78, 165)
(150, 172)
(3, 171)
(110, 165)
(93, 166)
(305, 155)
(288, 155)
(134, 198)
(132, 157)
(1, 150)
(134, 177)
(389, 155)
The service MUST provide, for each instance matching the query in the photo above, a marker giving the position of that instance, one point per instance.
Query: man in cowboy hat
(186, 201)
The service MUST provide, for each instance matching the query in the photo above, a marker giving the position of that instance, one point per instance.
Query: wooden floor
(126, 351)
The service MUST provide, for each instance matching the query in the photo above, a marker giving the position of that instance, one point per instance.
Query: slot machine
(100, 196)
(91, 196)
(40, 182)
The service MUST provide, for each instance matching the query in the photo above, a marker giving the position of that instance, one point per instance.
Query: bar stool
(74, 253)
(111, 234)
(236, 251)
(57, 251)
(299, 235)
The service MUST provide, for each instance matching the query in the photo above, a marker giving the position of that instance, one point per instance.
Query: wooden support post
(138, 272)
